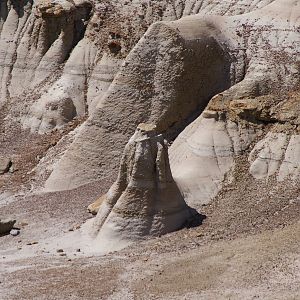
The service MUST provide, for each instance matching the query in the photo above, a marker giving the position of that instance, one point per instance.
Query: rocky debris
(144, 200)
(54, 8)
(6, 225)
(5, 165)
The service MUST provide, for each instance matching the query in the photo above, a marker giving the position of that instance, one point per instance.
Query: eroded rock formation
(172, 73)
(162, 62)
(204, 153)
(144, 200)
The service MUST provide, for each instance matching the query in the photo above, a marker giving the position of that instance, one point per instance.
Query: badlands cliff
(167, 112)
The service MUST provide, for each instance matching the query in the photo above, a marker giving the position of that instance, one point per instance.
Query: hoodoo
(144, 200)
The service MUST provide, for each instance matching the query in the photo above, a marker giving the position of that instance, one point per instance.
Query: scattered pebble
(23, 224)
(32, 243)
(14, 232)
(59, 250)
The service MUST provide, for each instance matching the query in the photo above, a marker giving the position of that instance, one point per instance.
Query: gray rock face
(6, 225)
(172, 73)
(277, 154)
(145, 200)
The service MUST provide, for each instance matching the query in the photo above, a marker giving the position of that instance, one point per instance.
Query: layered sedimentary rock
(39, 37)
(172, 73)
(204, 153)
(277, 154)
(156, 84)
(144, 200)
(265, 129)
(59, 60)
(36, 39)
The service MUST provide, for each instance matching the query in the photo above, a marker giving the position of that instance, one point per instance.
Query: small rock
(12, 169)
(5, 164)
(14, 232)
(23, 224)
(6, 225)
(62, 254)
(59, 250)
(32, 243)
(78, 250)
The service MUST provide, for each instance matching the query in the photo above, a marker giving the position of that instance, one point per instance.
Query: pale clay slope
(247, 54)
(28, 52)
(204, 152)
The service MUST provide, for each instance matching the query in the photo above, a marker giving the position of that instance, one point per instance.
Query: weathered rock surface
(93, 208)
(277, 154)
(144, 200)
(172, 73)
(85, 60)
(204, 153)
(5, 164)
(219, 86)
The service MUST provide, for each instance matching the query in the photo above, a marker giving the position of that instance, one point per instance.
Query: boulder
(204, 153)
(6, 225)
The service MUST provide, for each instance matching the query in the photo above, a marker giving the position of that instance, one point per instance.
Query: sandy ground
(246, 248)
(182, 265)
(234, 254)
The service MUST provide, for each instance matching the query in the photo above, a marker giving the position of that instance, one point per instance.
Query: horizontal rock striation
(205, 152)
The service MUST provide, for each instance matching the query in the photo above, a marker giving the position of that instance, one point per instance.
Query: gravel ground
(246, 248)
